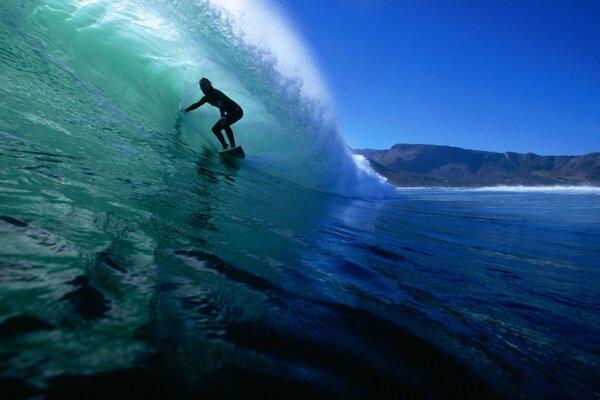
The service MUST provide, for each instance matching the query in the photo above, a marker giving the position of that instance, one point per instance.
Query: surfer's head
(205, 85)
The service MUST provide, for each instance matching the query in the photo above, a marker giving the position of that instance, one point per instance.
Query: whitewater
(134, 261)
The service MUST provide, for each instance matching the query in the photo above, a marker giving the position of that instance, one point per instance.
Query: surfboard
(234, 152)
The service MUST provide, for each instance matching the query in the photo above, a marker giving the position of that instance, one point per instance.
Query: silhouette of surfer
(231, 112)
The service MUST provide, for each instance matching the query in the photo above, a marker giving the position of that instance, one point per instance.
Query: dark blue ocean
(134, 262)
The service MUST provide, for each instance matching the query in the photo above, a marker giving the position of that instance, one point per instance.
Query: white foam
(266, 26)
(540, 189)
(513, 189)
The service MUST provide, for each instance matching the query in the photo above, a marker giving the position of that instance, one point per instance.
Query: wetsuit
(230, 111)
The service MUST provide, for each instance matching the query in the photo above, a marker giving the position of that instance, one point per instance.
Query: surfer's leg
(232, 119)
(217, 131)
(229, 133)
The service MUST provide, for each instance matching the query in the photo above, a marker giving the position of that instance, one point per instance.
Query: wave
(139, 62)
(541, 189)
(563, 189)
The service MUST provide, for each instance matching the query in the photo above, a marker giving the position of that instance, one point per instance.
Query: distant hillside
(429, 165)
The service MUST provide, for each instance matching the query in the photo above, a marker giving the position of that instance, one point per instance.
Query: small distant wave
(515, 189)
(540, 189)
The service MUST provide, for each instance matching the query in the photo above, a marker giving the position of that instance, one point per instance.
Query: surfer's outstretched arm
(196, 105)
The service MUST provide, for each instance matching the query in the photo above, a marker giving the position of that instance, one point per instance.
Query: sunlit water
(134, 261)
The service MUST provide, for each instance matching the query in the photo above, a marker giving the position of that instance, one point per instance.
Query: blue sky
(501, 76)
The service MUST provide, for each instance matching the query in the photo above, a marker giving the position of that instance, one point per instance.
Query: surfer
(231, 112)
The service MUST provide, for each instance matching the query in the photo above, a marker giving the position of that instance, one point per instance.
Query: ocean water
(134, 262)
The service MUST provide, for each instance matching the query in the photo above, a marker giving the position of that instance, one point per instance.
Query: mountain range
(407, 165)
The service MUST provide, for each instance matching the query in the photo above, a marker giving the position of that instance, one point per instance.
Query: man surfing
(231, 112)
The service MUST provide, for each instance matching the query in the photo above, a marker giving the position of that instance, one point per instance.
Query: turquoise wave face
(106, 80)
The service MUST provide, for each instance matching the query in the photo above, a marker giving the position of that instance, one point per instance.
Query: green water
(134, 261)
